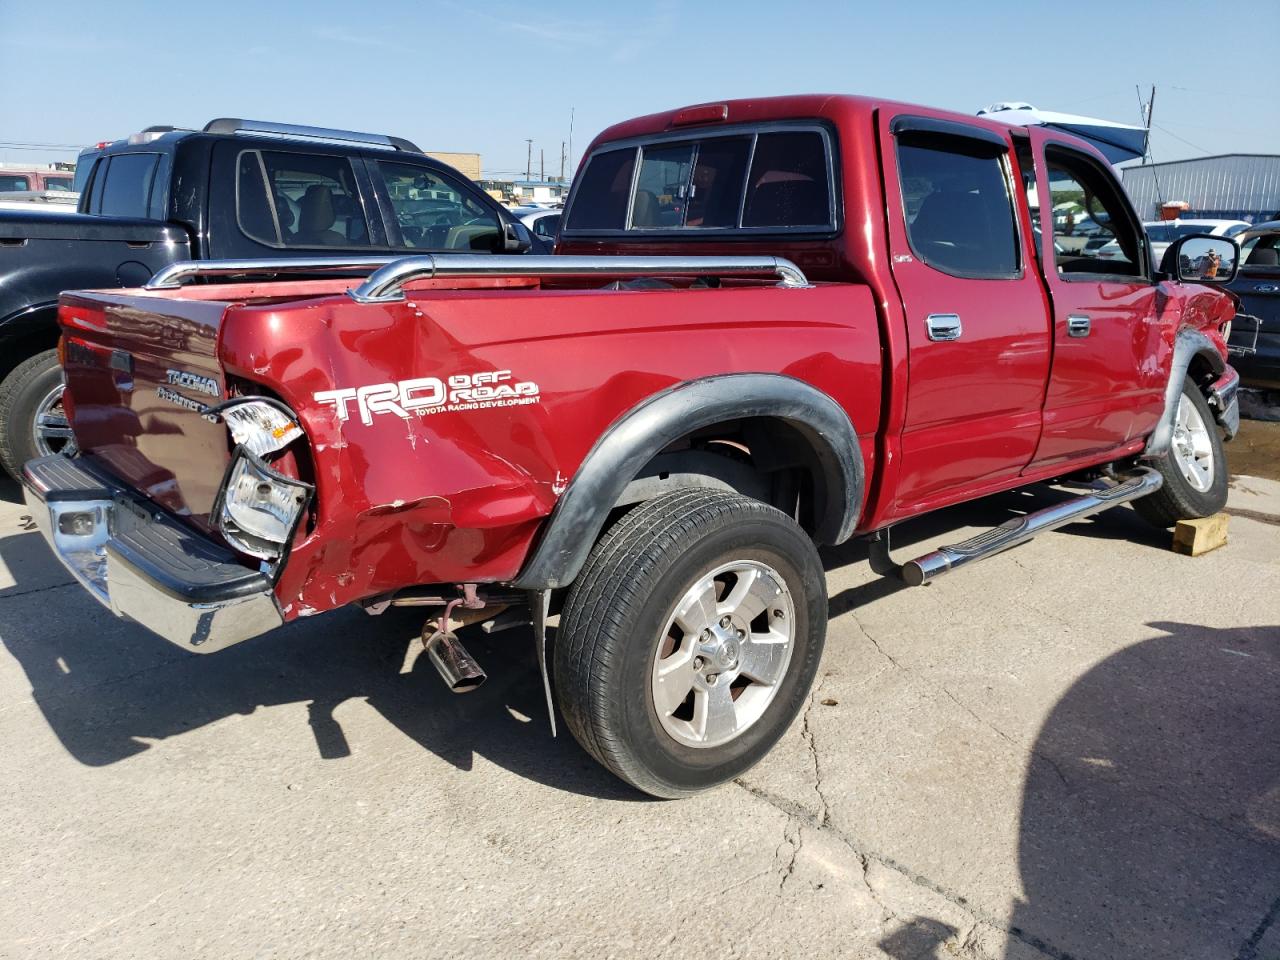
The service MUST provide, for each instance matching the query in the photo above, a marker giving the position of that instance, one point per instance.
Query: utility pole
(542, 164)
(1144, 110)
(528, 161)
(571, 109)
(562, 161)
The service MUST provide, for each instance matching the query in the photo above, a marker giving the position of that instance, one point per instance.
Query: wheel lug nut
(711, 679)
(725, 621)
(742, 634)
(779, 614)
(706, 634)
(698, 663)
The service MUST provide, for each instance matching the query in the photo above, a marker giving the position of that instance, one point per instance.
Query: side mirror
(1202, 259)
(516, 238)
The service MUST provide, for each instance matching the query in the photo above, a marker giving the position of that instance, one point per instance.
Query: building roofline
(1214, 156)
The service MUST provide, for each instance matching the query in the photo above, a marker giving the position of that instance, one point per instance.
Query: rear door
(977, 318)
(1106, 386)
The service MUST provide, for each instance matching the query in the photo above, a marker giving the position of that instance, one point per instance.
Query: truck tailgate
(139, 372)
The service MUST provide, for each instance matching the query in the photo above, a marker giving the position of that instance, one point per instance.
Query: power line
(1183, 139)
(29, 143)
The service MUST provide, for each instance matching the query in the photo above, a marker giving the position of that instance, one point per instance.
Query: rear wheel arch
(691, 430)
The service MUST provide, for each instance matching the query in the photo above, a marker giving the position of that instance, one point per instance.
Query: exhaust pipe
(456, 666)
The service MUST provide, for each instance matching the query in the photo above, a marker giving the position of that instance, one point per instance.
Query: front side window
(960, 217)
(1088, 206)
(126, 189)
(57, 183)
(768, 180)
(10, 181)
(299, 200)
(436, 214)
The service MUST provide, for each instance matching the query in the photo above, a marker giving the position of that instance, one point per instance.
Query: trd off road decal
(424, 395)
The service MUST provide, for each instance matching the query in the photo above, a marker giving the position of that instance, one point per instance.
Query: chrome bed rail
(388, 275)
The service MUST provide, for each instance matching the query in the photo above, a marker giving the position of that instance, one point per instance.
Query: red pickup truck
(769, 325)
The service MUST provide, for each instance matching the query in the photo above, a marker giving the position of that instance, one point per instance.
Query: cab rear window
(773, 180)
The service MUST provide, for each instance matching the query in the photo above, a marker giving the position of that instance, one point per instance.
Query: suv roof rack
(293, 131)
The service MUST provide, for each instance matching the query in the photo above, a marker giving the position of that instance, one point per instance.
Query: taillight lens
(259, 509)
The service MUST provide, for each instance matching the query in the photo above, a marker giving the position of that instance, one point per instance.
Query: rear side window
(960, 217)
(299, 200)
(772, 180)
(10, 181)
(57, 183)
(127, 185)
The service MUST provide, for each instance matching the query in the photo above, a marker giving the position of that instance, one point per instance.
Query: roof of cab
(837, 108)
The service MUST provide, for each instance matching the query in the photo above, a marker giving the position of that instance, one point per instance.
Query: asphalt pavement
(1069, 751)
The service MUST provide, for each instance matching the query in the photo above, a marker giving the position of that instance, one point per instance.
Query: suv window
(704, 183)
(435, 213)
(57, 183)
(1087, 203)
(299, 200)
(960, 216)
(126, 185)
(10, 181)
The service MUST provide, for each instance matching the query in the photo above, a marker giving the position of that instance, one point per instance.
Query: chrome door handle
(943, 326)
(1078, 325)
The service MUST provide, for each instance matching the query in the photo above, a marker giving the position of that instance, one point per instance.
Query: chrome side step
(929, 567)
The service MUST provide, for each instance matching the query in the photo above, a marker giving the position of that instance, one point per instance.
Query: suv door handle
(1078, 325)
(943, 326)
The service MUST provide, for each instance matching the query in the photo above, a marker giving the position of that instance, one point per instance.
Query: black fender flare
(642, 432)
(1188, 345)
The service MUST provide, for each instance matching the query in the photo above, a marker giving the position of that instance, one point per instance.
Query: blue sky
(484, 77)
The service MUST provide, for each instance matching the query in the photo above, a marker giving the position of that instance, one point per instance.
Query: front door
(1107, 386)
(977, 318)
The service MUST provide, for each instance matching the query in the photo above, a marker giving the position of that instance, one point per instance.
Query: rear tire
(701, 591)
(32, 392)
(1194, 468)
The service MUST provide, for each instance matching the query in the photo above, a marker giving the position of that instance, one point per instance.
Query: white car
(1163, 232)
(542, 221)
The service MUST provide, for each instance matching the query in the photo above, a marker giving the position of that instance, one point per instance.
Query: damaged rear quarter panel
(451, 495)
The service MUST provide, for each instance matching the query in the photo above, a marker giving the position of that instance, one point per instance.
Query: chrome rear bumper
(142, 564)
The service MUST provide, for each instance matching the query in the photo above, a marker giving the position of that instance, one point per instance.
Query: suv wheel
(32, 421)
(690, 640)
(1194, 468)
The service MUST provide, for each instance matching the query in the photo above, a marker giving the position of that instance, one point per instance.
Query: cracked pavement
(1069, 751)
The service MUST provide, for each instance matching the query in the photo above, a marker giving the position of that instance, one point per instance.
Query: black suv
(238, 189)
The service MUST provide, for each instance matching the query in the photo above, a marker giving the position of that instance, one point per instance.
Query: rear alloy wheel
(690, 640)
(32, 420)
(1194, 468)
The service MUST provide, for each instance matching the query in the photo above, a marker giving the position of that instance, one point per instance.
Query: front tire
(690, 640)
(1194, 468)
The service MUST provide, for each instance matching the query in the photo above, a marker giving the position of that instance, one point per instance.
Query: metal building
(1233, 186)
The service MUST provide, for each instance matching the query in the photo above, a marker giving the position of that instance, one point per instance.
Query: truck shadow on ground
(1150, 818)
(107, 687)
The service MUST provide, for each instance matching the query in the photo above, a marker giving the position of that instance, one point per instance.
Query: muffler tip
(454, 663)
